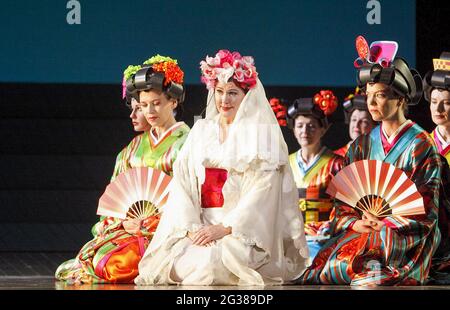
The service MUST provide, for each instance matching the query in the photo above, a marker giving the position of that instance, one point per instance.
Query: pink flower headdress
(225, 65)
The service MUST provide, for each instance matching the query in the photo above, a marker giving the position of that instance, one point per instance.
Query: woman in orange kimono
(118, 245)
(314, 164)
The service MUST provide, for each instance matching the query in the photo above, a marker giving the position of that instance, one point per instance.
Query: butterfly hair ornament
(380, 52)
(378, 63)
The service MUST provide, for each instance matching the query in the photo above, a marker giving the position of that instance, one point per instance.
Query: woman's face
(228, 98)
(440, 107)
(382, 103)
(360, 123)
(158, 110)
(308, 130)
(137, 117)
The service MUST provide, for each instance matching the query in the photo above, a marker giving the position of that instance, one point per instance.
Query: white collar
(305, 165)
(444, 143)
(162, 136)
(395, 134)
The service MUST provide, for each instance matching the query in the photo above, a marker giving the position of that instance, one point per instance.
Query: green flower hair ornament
(158, 59)
(130, 71)
(163, 64)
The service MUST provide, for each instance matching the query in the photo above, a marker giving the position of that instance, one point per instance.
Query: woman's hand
(374, 222)
(132, 226)
(208, 234)
(191, 236)
(362, 226)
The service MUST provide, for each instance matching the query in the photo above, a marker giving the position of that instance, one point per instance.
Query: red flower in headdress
(226, 64)
(326, 101)
(171, 70)
(279, 110)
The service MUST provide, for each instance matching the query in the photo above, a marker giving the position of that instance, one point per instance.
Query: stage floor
(35, 270)
(48, 283)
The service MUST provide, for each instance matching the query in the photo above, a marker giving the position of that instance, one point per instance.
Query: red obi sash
(212, 196)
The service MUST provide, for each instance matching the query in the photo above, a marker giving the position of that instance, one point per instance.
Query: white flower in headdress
(224, 74)
(226, 65)
(248, 60)
(239, 75)
(213, 61)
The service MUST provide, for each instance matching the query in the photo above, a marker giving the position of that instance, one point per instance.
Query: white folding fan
(136, 193)
(378, 188)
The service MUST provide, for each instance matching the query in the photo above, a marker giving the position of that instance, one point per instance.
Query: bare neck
(444, 131)
(160, 130)
(309, 152)
(391, 126)
(224, 125)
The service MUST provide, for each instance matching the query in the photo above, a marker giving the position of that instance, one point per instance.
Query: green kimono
(113, 254)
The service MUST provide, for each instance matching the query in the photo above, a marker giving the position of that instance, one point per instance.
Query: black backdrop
(58, 145)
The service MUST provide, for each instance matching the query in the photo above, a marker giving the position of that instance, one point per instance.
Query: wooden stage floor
(35, 270)
(48, 283)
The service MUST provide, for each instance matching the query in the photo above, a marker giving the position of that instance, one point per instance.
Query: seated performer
(394, 250)
(314, 164)
(357, 117)
(437, 92)
(231, 217)
(118, 245)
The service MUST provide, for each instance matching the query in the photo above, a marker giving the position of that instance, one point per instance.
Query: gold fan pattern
(378, 188)
(136, 193)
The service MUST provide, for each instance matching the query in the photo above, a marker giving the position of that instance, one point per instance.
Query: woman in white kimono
(231, 217)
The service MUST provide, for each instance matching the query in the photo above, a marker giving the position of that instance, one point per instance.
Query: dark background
(59, 142)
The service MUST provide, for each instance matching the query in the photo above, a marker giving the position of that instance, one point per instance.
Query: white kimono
(267, 244)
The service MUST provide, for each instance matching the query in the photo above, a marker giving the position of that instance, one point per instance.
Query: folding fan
(136, 193)
(378, 188)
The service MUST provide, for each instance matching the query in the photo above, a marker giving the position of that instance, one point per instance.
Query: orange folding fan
(136, 193)
(378, 188)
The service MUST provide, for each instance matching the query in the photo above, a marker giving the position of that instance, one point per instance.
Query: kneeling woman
(396, 250)
(357, 117)
(118, 245)
(231, 217)
(314, 165)
(437, 93)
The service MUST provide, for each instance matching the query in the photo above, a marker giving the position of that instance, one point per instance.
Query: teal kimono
(400, 253)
